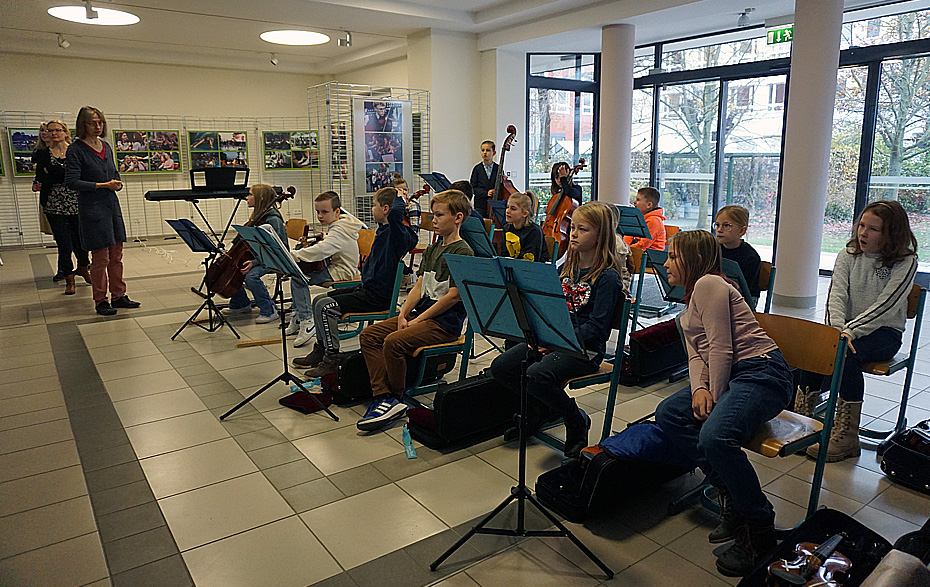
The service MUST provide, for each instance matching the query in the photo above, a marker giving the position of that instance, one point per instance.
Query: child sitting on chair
(523, 238)
(338, 247)
(393, 240)
(731, 225)
(739, 380)
(433, 313)
(647, 202)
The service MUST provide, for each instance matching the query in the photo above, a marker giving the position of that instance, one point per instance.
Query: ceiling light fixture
(294, 37)
(104, 16)
(346, 42)
(274, 59)
(743, 19)
(63, 42)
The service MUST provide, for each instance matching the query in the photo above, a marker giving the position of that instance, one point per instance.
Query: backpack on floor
(907, 458)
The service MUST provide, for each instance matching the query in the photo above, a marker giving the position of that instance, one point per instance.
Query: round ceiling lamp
(294, 37)
(104, 16)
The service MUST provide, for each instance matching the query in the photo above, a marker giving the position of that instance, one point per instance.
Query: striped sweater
(865, 295)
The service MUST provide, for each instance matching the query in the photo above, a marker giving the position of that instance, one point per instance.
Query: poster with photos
(383, 142)
(22, 143)
(210, 148)
(147, 151)
(294, 149)
(339, 147)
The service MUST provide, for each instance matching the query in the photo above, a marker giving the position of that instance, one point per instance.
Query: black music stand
(522, 302)
(437, 181)
(199, 242)
(632, 222)
(273, 255)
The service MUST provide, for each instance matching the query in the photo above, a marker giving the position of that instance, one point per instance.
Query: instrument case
(907, 458)
(654, 351)
(464, 413)
(861, 545)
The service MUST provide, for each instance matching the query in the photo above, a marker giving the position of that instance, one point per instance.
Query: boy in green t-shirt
(433, 313)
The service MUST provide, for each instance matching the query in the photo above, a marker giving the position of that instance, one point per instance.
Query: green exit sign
(780, 35)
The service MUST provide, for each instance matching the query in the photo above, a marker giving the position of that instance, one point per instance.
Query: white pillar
(615, 121)
(503, 102)
(808, 132)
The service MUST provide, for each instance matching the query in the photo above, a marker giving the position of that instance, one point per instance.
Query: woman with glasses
(91, 171)
(60, 203)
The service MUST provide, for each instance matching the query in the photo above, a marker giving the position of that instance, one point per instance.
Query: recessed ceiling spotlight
(63, 42)
(294, 37)
(105, 16)
(274, 59)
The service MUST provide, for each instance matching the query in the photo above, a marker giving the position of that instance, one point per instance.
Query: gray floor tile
(291, 474)
(269, 436)
(108, 457)
(122, 497)
(274, 455)
(129, 521)
(115, 476)
(167, 572)
(139, 549)
(397, 569)
(359, 479)
(307, 496)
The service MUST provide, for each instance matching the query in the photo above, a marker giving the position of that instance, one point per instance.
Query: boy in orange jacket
(647, 201)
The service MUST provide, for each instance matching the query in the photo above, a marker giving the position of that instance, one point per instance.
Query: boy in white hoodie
(338, 246)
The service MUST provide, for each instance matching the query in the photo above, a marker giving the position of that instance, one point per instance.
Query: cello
(559, 212)
(224, 276)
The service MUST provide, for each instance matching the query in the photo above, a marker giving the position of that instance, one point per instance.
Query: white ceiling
(225, 33)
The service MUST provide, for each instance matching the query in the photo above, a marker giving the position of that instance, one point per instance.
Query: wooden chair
(767, 283)
(295, 228)
(670, 231)
(489, 226)
(463, 346)
(366, 238)
(915, 311)
(363, 319)
(552, 244)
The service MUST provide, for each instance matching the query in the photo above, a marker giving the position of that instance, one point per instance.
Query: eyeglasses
(723, 225)
(54, 130)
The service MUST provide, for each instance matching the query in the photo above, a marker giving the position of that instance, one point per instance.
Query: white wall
(503, 102)
(391, 73)
(53, 84)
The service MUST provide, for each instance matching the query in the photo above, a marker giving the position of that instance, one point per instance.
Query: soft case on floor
(464, 412)
(654, 351)
(907, 458)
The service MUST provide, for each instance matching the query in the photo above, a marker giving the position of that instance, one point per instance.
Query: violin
(415, 196)
(559, 213)
(224, 276)
(310, 267)
(812, 566)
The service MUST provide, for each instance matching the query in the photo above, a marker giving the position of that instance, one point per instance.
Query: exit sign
(780, 35)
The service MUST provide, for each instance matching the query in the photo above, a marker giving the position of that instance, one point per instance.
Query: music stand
(498, 211)
(473, 232)
(655, 260)
(437, 181)
(632, 222)
(273, 255)
(199, 242)
(522, 302)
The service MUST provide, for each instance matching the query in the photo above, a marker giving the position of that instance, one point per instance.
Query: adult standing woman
(44, 226)
(60, 203)
(91, 171)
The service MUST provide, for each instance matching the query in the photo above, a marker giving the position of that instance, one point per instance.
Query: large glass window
(676, 58)
(641, 139)
(687, 149)
(571, 66)
(881, 30)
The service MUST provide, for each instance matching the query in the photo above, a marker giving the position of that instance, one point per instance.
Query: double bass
(503, 187)
(559, 212)
(224, 276)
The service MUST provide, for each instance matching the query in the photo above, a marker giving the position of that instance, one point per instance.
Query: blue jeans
(759, 388)
(545, 377)
(300, 293)
(880, 345)
(253, 281)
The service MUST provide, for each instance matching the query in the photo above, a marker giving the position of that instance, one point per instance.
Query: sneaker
(307, 333)
(105, 309)
(293, 327)
(234, 311)
(381, 412)
(262, 319)
(125, 302)
(311, 360)
(329, 364)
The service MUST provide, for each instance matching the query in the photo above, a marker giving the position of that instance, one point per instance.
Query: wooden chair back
(765, 271)
(366, 238)
(488, 225)
(426, 221)
(671, 230)
(552, 247)
(806, 345)
(637, 258)
(295, 228)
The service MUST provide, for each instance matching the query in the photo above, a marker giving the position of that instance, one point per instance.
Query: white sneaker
(292, 328)
(266, 319)
(307, 333)
(233, 311)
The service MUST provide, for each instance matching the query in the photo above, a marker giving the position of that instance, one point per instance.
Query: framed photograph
(295, 149)
(383, 134)
(22, 143)
(147, 151)
(212, 148)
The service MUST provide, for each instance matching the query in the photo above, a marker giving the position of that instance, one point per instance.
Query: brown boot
(805, 401)
(84, 271)
(844, 438)
(69, 285)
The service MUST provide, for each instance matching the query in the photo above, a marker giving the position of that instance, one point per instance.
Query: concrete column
(808, 131)
(503, 102)
(615, 121)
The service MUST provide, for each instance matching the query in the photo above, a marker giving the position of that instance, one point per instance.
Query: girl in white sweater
(867, 301)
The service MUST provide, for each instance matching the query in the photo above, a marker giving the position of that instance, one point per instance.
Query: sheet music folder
(482, 283)
(437, 181)
(632, 222)
(270, 252)
(195, 238)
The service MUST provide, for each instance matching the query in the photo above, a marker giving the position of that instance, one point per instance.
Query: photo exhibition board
(291, 149)
(23, 142)
(383, 142)
(147, 151)
(218, 148)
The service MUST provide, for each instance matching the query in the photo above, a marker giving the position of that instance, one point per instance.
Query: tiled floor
(115, 469)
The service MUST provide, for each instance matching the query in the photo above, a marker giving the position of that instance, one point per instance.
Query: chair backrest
(765, 269)
(913, 300)
(637, 258)
(671, 230)
(553, 246)
(806, 345)
(488, 225)
(366, 238)
(426, 221)
(295, 228)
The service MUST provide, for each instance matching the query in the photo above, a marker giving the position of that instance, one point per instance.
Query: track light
(346, 42)
(63, 42)
(89, 11)
(274, 59)
(743, 19)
